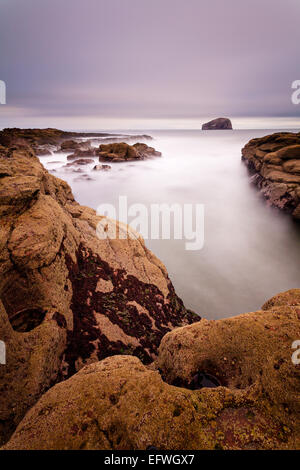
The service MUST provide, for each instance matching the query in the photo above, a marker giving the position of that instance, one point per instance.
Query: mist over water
(251, 251)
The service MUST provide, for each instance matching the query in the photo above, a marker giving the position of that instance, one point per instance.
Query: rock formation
(94, 360)
(45, 141)
(81, 149)
(119, 403)
(120, 152)
(69, 298)
(219, 123)
(113, 152)
(274, 162)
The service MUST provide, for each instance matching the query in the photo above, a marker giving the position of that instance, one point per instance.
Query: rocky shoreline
(47, 141)
(83, 148)
(274, 163)
(101, 352)
(90, 298)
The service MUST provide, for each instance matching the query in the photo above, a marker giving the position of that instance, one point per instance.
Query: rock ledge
(274, 163)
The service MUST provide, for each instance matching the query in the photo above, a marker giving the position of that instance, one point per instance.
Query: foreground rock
(69, 298)
(274, 162)
(120, 152)
(119, 403)
(219, 123)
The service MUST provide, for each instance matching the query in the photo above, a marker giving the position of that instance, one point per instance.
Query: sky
(99, 64)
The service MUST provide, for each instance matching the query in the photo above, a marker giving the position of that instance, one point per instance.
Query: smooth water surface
(251, 251)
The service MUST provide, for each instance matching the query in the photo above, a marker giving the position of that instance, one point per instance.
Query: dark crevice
(201, 379)
(27, 319)
(204, 380)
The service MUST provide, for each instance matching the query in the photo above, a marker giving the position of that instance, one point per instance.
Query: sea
(248, 252)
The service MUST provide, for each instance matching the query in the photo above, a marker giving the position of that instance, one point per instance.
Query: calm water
(251, 252)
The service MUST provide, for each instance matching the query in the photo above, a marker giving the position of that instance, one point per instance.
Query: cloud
(170, 59)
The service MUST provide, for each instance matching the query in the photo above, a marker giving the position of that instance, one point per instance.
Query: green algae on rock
(120, 404)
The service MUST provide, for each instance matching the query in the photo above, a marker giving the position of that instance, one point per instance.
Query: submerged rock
(120, 404)
(102, 167)
(69, 145)
(122, 138)
(43, 151)
(69, 298)
(146, 151)
(91, 152)
(274, 162)
(80, 148)
(84, 177)
(219, 123)
(80, 161)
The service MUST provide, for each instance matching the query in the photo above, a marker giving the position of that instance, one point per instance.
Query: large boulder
(274, 162)
(217, 124)
(119, 403)
(68, 297)
(120, 152)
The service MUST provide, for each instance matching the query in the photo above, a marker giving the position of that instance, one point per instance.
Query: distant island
(216, 124)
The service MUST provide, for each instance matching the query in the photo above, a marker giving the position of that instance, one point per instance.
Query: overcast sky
(148, 59)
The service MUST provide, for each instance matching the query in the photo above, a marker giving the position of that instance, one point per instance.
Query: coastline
(64, 276)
